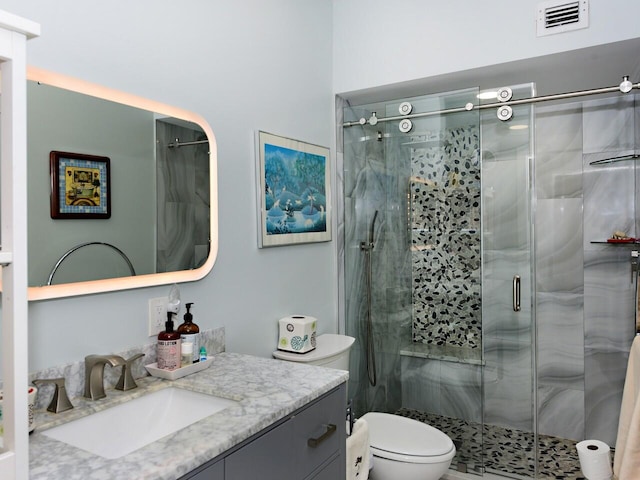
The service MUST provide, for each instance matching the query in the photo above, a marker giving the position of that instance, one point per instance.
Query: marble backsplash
(73, 373)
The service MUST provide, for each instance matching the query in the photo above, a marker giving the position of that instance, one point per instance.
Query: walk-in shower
(446, 302)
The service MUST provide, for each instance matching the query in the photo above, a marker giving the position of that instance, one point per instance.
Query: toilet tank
(332, 351)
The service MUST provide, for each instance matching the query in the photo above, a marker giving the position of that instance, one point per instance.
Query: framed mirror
(161, 182)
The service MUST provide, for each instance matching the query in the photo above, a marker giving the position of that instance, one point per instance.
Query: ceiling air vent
(558, 16)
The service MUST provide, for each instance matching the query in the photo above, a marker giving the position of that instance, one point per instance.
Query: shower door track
(624, 87)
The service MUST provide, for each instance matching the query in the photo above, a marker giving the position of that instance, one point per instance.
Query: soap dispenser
(190, 332)
(168, 352)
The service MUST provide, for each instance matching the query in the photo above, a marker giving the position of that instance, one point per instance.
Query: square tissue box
(297, 334)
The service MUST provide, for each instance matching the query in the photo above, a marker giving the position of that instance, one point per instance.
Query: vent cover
(561, 16)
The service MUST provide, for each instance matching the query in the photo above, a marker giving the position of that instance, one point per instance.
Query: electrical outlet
(157, 315)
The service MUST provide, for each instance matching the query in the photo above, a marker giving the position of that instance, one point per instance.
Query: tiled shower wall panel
(375, 182)
(443, 388)
(445, 240)
(609, 204)
(559, 271)
(584, 290)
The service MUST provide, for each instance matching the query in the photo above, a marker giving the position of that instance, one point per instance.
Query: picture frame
(294, 191)
(80, 186)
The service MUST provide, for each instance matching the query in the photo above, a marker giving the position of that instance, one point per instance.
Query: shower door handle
(516, 293)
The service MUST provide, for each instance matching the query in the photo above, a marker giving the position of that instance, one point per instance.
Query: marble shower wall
(585, 295)
(374, 179)
(183, 198)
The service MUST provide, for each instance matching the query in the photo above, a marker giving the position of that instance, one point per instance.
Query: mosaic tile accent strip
(445, 240)
(508, 452)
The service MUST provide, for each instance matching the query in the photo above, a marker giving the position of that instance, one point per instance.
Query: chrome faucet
(94, 374)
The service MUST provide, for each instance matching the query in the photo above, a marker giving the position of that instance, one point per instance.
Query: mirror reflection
(159, 186)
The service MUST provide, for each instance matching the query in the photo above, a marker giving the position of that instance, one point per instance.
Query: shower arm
(624, 87)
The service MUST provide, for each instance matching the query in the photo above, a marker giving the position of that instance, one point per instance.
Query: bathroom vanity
(304, 445)
(288, 422)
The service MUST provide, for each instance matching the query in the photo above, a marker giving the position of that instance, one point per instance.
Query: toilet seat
(406, 440)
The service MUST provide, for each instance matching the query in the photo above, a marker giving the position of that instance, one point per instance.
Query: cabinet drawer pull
(314, 442)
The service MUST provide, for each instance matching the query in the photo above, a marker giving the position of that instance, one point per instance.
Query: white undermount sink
(120, 430)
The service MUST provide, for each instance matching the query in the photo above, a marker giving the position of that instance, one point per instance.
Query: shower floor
(508, 452)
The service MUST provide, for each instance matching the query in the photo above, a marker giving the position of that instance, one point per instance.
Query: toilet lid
(405, 436)
(327, 345)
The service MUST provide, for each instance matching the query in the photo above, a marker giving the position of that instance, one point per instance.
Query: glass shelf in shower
(605, 242)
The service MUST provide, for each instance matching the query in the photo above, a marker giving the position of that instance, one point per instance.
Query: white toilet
(406, 448)
(402, 448)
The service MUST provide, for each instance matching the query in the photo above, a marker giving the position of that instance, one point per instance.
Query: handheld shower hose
(369, 341)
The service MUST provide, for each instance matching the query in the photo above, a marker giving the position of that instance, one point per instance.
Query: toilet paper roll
(595, 459)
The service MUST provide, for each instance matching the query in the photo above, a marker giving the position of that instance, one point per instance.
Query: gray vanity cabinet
(309, 444)
(210, 472)
(268, 456)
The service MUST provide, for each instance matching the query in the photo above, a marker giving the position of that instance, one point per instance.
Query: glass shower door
(377, 273)
(442, 360)
(413, 199)
(509, 432)
(438, 276)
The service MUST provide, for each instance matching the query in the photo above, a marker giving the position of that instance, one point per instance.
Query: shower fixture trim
(405, 125)
(624, 87)
(504, 94)
(405, 108)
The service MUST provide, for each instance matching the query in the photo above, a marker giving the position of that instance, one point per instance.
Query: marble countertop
(266, 391)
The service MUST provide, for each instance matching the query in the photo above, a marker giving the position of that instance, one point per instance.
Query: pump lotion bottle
(190, 332)
(168, 351)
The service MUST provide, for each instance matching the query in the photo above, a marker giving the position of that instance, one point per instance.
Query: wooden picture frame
(80, 186)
